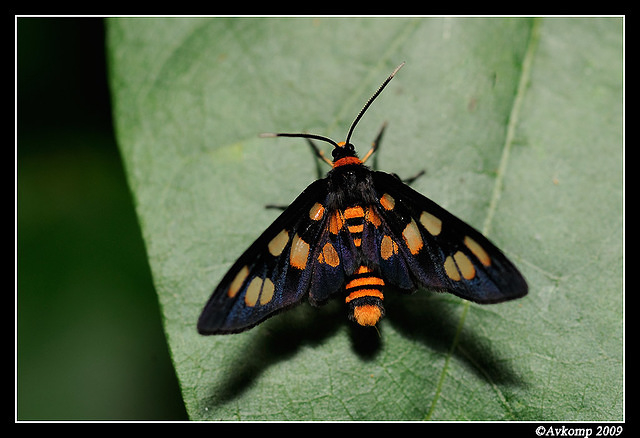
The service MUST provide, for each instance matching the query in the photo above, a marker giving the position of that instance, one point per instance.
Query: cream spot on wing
(467, 269)
(412, 237)
(267, 291)
(278, 243)
(477, 251)
(253, 292)
(236, 284)
(431, 223)
(451, 269)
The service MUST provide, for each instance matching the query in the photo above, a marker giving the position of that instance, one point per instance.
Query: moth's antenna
(370, 101)
(353, 125)
(317, 151)
(313, 136)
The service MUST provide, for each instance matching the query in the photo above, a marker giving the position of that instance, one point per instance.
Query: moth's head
(344, 153)
(342, 150)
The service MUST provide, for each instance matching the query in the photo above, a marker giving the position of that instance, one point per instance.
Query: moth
(352, 234)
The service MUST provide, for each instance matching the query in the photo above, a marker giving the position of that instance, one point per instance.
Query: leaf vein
(514, 115)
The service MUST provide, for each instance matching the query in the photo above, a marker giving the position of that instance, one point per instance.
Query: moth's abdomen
(364, 296)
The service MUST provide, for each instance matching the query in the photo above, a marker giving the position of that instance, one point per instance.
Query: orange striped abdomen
(364, 296)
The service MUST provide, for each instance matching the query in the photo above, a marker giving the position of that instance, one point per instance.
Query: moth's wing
(418, 243)
(273, 273)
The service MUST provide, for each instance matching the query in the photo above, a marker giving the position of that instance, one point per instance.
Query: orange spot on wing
(335, 223)
(387, 201)
(372, 217)
(299, 252)
(329, 255)
(388, 247)
(316, 212)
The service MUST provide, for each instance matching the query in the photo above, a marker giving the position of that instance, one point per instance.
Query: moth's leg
(410, 180)
(374, 146)
(320, 155)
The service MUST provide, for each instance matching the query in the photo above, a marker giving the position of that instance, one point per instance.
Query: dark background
(90, 344)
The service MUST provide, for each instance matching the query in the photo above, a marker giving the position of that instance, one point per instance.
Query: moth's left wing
(273, 274)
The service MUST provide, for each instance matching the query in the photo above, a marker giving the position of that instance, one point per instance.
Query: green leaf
(518, 124)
